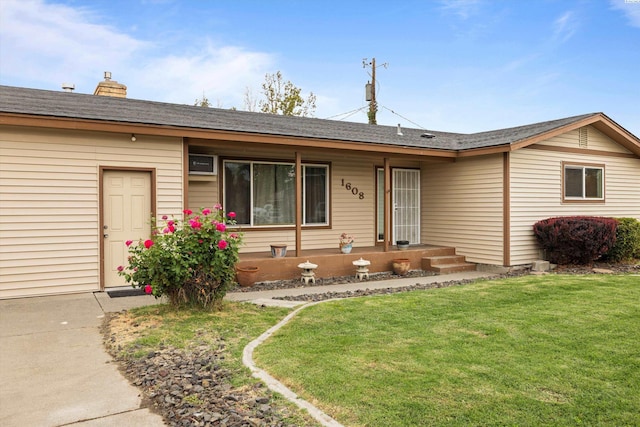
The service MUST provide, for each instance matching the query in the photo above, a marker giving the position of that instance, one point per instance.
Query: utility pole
(371, 90)
(373, 105)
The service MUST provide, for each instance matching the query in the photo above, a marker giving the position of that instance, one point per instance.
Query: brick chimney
(110, 87)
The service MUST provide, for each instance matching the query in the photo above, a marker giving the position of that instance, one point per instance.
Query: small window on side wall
(583, 182)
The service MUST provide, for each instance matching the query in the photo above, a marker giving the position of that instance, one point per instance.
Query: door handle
(105, 235)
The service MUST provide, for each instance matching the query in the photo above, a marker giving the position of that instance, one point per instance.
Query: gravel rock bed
(189, 388)
(297, 283)
(388, 291)
(369, 292)
(596, 268)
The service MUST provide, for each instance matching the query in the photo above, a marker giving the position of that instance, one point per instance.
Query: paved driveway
(54, 370)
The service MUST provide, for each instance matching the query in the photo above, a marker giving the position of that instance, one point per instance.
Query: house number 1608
(354, 190)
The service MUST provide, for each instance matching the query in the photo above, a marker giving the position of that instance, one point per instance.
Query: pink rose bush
(192, 261)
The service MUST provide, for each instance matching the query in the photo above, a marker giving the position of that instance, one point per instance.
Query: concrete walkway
(266, 297)
(54, 370)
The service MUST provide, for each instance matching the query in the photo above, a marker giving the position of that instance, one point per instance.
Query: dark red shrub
(576, 239)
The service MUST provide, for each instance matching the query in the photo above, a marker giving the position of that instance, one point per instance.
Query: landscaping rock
(539, 266)
(297, 283)
(189, 389)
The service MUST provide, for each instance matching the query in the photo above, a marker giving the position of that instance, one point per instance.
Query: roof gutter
(600, 121)
(216, 135)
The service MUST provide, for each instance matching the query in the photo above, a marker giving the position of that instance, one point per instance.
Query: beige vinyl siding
(595, 140)
(462, 207)
(536, 193)
(203, 194)
(49, 218)
(260, 240)
(349, 213)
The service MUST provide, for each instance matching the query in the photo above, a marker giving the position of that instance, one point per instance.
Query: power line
(414, 123)
(348, 113)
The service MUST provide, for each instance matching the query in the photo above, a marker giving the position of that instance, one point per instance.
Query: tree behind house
(284, 98)
(204, 102)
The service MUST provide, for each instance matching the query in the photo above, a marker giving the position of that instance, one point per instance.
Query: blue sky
(457, 65)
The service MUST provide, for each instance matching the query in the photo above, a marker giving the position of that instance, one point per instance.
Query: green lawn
(534, 350)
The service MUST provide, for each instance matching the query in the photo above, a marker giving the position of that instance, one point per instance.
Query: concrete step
(442, 251)
(453, 268)
(446, 261)
(433, 261)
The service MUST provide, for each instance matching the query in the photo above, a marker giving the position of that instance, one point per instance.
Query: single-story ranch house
(80, 174)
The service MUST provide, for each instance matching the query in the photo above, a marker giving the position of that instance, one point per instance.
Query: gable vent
(582, 137)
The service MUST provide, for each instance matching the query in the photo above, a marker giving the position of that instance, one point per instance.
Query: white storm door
(127, 214)
(406, 205)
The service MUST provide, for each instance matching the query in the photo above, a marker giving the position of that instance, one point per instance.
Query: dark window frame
(252, 223)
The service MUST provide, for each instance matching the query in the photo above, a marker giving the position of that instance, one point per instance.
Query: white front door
(126, 199)
(405, 202)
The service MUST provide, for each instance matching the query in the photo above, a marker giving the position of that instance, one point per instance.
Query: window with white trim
(263, 193)
(583, 182)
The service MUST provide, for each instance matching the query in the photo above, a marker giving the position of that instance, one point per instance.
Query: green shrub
(627, 244)
(576, 239)
(192, 261)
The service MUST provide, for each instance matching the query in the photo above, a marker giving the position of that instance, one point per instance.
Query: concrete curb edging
(277, 386)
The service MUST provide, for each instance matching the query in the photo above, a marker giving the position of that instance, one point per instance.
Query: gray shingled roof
(124, 110)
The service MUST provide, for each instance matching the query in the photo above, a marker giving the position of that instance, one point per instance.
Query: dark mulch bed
(599, 268)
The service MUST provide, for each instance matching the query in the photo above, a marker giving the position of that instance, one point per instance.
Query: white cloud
(630, 9)
(220, 72)
(55, 43)
(46, 44)
(565, 27)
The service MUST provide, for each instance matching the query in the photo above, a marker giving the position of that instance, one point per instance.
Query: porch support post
(506, 209)
(387, 204)
(298, 204)
(185, 174)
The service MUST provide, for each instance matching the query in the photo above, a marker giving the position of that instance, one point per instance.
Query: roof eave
(619, 134)
(39, 121)
(599, 120)
(472, 152)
